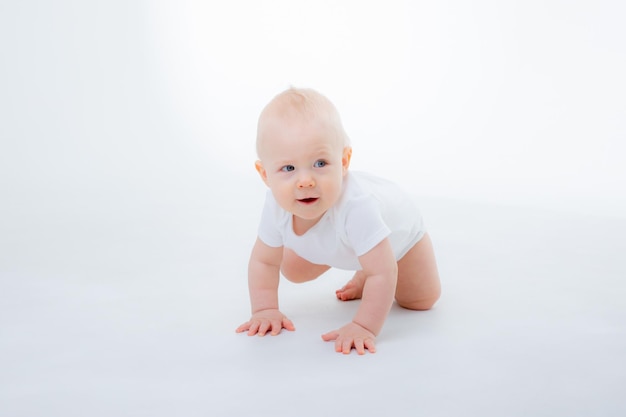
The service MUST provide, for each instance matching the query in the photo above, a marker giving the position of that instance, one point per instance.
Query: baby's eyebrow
(322, 153)
(284, 162)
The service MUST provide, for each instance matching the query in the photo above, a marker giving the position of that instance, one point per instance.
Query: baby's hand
(351, 335)
(262, 321)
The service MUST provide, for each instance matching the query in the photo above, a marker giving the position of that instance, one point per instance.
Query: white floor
(129, 309)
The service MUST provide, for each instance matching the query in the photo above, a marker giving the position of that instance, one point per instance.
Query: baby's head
(303, 151)
(300, 106)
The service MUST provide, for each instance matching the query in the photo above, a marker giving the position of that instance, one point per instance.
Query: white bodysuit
(368, 210)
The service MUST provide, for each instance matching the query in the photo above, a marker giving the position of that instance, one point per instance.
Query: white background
(519, 102)
(129, 203)
(508, 102)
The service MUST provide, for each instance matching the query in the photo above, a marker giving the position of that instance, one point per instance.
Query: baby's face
(303, 164)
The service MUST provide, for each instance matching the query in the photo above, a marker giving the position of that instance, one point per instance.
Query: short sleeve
(269, 227)
(365, 227)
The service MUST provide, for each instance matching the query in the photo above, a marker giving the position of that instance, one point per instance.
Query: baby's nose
(306, 182)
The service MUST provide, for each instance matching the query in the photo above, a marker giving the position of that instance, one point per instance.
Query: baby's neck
(301, 226)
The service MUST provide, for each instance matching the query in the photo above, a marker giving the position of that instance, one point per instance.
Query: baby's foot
(353, 290)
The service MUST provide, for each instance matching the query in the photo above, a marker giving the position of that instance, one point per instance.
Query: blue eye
(320, 164)
(288, 168)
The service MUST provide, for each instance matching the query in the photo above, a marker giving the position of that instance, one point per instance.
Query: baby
(319, 215)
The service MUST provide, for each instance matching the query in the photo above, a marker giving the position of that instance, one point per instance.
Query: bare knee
(297, 269)
(294, 274)
(419, 303)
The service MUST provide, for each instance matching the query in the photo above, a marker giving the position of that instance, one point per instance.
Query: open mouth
(308, 200)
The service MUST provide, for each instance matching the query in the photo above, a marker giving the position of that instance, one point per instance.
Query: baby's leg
(297, 269)
(418, 279)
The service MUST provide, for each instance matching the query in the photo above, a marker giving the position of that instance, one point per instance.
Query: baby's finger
(346, 346)
(288, 324)
(276, 327)
(243, 327)
(370, 345)
(359, 346)
(254, 328)
(338, 345)
(327, 337)
(264, 327)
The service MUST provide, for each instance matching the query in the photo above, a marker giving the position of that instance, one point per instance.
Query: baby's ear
(345, 159)
(259, 168)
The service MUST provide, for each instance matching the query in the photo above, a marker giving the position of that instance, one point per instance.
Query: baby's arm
(263, 278)
(381, 276)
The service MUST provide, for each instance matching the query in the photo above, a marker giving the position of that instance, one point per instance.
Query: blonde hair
(308, 104)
